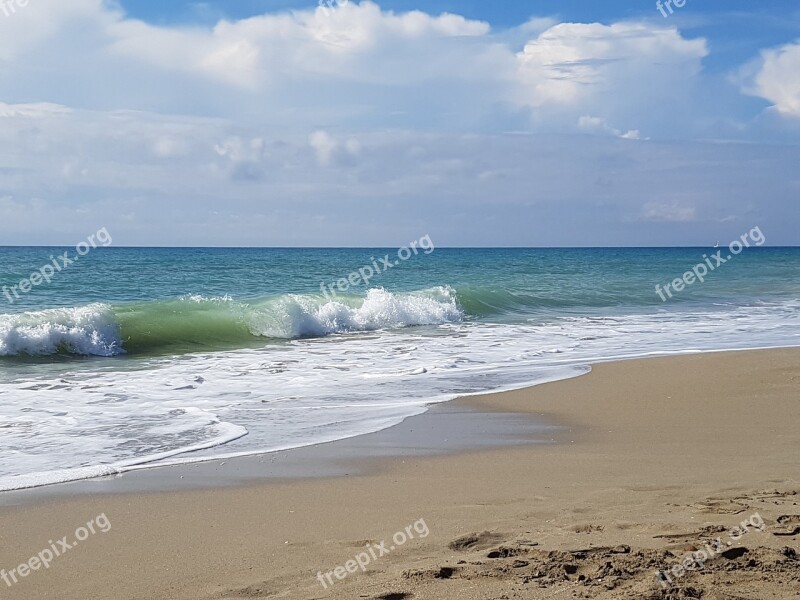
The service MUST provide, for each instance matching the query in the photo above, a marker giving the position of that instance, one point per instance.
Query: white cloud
(669, 212)
(302, 44)
(571, 62)
(242, 158)
(38, 110)
(356, 65)
(777, 79)
(324, 145)
(329, 151)
(42, 21)
(169, 147)
(599, 125)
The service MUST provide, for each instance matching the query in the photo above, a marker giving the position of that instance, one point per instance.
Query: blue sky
(741, 28)
(273, 122)
(501, 14)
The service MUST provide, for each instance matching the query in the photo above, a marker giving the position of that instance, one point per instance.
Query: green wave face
(197, 323)
(181, 326)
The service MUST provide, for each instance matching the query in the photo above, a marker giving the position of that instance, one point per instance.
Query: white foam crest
(307, 316)
(200, 299)
(89, 330)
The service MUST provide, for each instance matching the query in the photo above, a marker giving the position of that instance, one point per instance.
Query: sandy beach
(649, 461)
(399, 300)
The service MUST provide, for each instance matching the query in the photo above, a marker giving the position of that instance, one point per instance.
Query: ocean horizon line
(143, 247)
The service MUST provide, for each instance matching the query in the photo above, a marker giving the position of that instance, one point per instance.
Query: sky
(346, 123)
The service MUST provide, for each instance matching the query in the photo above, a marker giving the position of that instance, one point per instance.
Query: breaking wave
(195, 323)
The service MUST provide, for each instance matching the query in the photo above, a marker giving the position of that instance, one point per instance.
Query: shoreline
(291, 463)
(415, 437)
(663, 453)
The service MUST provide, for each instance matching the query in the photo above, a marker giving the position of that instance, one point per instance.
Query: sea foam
(85, 330)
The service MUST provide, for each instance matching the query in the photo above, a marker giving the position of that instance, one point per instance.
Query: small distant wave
(196, 323)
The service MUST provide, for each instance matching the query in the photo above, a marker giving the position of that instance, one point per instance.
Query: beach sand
(654, 459)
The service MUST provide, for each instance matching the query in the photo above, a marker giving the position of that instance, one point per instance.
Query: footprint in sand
(440, 573)
(504, 552)
(788, 525)
(734, 553)
(721, 507)
(702, 533)
(587, 528)
(475, 541)
(252, 591)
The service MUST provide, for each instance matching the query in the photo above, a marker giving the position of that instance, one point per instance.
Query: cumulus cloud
(243, 158)
(330, 151)
(620, 72)
(40, 22)
(569, 60)
(267, 49)
(777, 79)
(324, 145)
(409, 69)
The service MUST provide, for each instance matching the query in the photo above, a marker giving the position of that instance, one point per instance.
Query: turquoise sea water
(134, 356)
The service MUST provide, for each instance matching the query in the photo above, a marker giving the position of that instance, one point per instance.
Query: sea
(129, 358)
